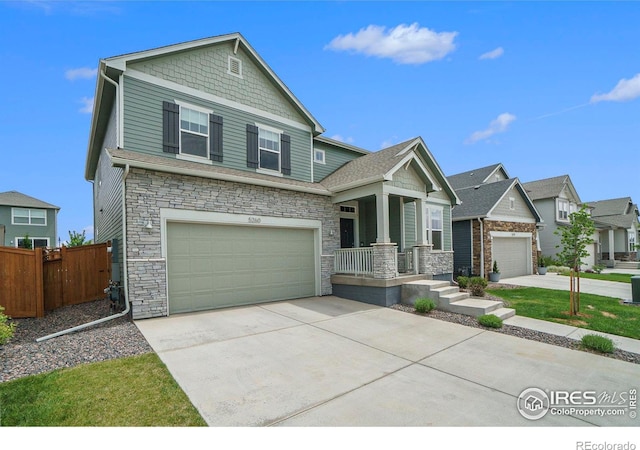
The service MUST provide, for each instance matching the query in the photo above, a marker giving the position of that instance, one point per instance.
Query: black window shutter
(215, 137)
(285, 153)
(252, 146)
(170, 127)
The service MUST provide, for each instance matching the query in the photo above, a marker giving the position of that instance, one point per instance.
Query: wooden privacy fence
(35, 281)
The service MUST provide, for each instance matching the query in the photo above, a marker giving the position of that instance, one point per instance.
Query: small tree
(26, 242)
(77, 239)
(574, 240)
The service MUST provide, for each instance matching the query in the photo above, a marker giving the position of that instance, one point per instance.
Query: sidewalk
(559, 282)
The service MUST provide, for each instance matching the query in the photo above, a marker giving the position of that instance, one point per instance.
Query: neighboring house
(217, 188)
(21, 215)
(496, 221)
(617, 223)
(555, 199)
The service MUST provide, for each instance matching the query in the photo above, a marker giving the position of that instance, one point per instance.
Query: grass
(135, 391)
(619, 277)
(597, 313)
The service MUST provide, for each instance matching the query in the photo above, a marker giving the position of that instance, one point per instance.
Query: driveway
(559, 282)
(333, 362)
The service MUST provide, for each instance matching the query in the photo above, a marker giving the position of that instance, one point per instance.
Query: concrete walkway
(559, 282)
(333, 362)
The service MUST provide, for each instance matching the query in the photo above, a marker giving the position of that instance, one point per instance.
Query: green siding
(205, 69)
(143, 127)
(19, 231)
(395, 231)
(410, 224)
(446, 216)
(334, 159)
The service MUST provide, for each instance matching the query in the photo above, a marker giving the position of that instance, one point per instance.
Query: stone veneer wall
(434, 262)
(494, 225)
(148, 191)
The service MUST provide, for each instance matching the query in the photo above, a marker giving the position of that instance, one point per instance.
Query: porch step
(448, 297)
(626, 265)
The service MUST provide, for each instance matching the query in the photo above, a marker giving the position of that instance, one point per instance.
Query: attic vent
(235, 67)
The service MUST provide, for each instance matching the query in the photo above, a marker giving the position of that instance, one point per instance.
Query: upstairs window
(319, 156)
(563, 210)
(194, 132)
(27, 216)
(268, 149)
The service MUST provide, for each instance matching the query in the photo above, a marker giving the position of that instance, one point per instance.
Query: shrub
(562, 270)
(463, 282)
(598, 343)
(490, 320)
(477, 285)
(6, 328)
(495, 267)
(598, 268)
(424, 305)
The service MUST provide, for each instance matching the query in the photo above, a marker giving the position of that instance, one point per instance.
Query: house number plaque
(254, 220)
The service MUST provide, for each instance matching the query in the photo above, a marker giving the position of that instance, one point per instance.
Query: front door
(347, 235)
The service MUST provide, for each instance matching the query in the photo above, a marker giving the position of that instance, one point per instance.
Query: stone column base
(385, 260)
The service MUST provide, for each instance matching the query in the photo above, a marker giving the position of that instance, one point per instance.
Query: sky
(545, 88)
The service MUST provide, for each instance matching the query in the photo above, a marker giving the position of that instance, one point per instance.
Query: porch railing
(355, 261)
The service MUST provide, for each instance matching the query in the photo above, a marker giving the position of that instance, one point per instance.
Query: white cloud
(498, 125)
(88, 230)
(624, 91)
(81, 73)
(87, 103)
(338, 137)
(493, 54)
(404, 44)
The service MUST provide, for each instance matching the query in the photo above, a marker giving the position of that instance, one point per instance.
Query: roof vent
(234, 67)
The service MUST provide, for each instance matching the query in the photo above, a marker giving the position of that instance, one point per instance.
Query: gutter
(125, 278)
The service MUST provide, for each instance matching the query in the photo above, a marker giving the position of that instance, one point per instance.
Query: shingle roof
(478, 200)
(617, 212)
(373, 165)
(471, 178)
(612, 207)
(547, 188)
(15, 198)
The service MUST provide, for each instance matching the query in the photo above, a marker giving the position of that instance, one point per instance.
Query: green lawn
(619, 277)
(135, 391)
(597, 313)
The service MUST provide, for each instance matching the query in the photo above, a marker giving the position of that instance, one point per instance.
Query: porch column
(385, 260)
(382, 218)
(421, 226)
(611, 245)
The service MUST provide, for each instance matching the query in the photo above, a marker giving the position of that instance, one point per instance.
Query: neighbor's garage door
(513, 256)
(213, 266)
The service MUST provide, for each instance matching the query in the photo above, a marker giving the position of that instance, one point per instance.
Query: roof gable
(382, 165)
(475, 177)
(481, 200)
(552, 188)
(18, 199)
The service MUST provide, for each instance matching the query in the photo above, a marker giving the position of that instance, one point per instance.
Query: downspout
(125, 278)
(481, 247)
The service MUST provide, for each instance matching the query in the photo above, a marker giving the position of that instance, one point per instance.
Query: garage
(220, 265)
(513, 255)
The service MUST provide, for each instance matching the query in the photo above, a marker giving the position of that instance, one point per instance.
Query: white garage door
(215, 266)
(513, 255)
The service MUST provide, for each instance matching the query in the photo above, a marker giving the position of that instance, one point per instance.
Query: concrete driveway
(334, 362)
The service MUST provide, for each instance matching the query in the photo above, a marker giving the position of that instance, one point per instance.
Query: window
(563, 210)
(194, 132)
(34, 242)
(435, 227)
(318, 156)
(26, 216)
(268, 149)
(632, 241)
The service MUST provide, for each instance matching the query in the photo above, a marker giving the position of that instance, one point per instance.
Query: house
(22, 216)
(617, 224)
(216, 187)
(555, 199)
(495, 222)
